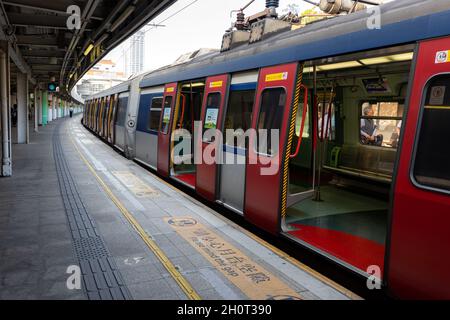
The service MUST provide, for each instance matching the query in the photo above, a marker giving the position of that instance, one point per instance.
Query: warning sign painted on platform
(251, 278)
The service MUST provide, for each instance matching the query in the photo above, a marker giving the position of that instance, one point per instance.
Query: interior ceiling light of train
(61, 40)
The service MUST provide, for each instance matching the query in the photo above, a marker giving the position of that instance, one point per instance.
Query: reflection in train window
(238, 118)
(122, 111)
(298, 121)
(433, 155)
(166, 115)
(155, 114)
(380, 123)
(270, 119)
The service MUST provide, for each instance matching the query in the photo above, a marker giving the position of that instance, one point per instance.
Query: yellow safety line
(177, 276)
(265, 244)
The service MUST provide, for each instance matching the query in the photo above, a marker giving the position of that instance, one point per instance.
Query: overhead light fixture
(194, 85)
(388, 59)
(363, 62)
(88, 49)
(340, 65)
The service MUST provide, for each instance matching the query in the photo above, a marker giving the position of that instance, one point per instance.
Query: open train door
(418, 260)
(165, 129)
(212, 112)
(269, 148)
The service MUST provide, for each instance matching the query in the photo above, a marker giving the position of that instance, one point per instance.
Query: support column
(36, 109)
(54, 106)
(6, 170)
(44, 108)
(50, 108)
(22, 107)
(40, 107)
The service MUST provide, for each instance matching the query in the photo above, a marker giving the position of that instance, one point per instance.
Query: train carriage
(361, 167)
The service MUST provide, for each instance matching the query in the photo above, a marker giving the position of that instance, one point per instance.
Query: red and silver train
(364, 151)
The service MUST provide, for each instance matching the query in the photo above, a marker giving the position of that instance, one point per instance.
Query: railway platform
(79, 221)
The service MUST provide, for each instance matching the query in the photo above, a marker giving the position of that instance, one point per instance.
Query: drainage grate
(90, 248)
(101, 278)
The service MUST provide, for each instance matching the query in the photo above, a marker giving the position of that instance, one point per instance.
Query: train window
(165, 121)
(155, 114)
(212, 112)
(380, 123)
(431, 166)
(238, 118)
(121, 111)
(270, 118)
(298, 121)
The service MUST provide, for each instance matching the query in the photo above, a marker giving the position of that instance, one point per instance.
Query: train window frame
(256, 143)
(151, 109)
(209, 107)
(419, 128)
(381, 99)
(163, 109)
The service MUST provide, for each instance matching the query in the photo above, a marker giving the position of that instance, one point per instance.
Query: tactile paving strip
(101, 278)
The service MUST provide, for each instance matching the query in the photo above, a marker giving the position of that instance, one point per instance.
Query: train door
(165, 129)
(91, 114)
(98, 123)
(105, 117)
(119, 124)
(187, 112)
(266, 183)
(340, 181)
(150, 107)
(236, 122)
(418, 262)
(113, 114)
(212, 112)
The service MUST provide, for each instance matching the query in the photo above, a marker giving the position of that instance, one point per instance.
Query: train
(361, 155)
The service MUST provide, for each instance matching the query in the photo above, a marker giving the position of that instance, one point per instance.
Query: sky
(201, 25)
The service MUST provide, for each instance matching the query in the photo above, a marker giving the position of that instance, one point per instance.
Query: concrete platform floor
(73, 201)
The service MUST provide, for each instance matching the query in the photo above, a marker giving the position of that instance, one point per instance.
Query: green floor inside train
(342, 210)
(183, 169)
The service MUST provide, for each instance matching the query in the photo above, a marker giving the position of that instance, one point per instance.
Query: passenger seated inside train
(369, 134)
(340, 183)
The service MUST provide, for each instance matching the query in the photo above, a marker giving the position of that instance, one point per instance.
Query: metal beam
(36, 40)
(58, 7)
(36, 53)
(41, 21)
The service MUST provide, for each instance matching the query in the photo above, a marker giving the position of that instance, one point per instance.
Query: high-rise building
(136, 60)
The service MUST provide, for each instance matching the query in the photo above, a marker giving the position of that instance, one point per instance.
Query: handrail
(330, 109)
(305, 110)
(325, 132)
(183, 105)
